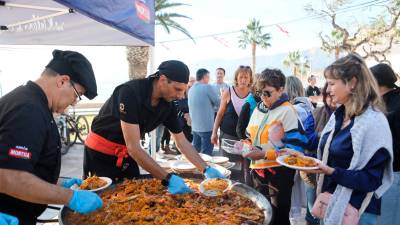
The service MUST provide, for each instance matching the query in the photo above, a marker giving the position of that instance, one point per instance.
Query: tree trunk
(138, 57)
(253, 55)
(337, 52)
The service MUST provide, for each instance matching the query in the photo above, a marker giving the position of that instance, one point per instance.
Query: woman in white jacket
(359, 166)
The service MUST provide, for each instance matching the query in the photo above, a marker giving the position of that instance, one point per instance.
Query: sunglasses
(76, 92)
(263, 93)
(246, 67)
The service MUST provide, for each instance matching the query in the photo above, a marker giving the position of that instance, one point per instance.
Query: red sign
(142, 11)
(19, 153)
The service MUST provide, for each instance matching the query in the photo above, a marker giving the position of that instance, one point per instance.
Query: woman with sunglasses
(358, 142)
(231, 104)
(272, 127)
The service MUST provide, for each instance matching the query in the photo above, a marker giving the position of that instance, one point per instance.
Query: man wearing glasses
(30, 156)
(113, 149)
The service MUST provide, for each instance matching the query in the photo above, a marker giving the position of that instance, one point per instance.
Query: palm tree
(254, 36)
(138, 56)
(293, 61)
(333, 43)
(300, 65)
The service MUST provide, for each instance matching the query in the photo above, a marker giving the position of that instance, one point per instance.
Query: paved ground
(71, 166)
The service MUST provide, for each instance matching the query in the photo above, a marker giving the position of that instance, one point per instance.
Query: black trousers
(103, 165)
(277, 187)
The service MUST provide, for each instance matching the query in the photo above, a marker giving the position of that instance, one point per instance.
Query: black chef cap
(175, 70)
(384, 74)
(77, 67)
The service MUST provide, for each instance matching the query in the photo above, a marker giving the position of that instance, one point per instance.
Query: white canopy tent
(78, 23)
(70, 22)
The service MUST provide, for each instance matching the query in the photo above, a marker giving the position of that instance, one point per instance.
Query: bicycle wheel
(83, 128)
(65, 139)
(72, 133)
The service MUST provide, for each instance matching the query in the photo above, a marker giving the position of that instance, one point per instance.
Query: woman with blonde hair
(356, 145)
(232, 101)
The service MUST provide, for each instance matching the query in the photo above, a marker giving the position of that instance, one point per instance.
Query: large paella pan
(147, 202)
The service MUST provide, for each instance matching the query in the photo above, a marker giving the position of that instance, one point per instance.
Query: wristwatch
(165, 181)
(206, 168)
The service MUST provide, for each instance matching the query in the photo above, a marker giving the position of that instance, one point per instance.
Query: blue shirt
(202, 99)
(361, 181)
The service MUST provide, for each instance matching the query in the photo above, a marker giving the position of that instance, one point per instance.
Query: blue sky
(21, 63)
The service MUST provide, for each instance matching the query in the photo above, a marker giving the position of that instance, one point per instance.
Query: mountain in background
(319, 60)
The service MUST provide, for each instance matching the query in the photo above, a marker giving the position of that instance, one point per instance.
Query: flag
(222, 41)
(282, 30)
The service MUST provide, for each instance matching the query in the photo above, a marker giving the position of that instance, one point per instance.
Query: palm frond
(177, 26)
(166, 19)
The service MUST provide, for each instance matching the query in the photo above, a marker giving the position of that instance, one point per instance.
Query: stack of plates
(205, 157)
(219, 159)
(165, 156)
(181, 166)
(223, 170)
(222, 161)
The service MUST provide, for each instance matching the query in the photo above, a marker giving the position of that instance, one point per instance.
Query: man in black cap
(390, 93)
(113, 149)
(30, 156)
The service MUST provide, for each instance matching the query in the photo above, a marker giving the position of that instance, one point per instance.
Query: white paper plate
(106, 179)
(213, 192)
(281, 161)
(205, 157)
(219, 159)
(164, 164)
(228, 165)
(221, 169)
(181, 165)
(165, 156)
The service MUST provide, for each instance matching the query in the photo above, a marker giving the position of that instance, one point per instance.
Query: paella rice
(92, 182)
(146, 202)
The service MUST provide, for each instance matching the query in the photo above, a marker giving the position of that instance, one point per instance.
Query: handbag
(351, 214)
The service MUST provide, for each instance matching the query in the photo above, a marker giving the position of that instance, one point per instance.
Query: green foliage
(300, 65)
(253, 34)
(168, 19)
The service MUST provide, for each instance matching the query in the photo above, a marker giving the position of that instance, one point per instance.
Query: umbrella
(77, 22)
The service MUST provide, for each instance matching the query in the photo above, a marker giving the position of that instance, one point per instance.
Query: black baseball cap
(77, 67)
(174, 70)
(384, 74)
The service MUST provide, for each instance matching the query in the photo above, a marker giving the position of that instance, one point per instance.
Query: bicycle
(72, 128)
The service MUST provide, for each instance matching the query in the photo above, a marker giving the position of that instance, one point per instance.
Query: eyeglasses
(78, 96)
(263, 93)
(246, 67)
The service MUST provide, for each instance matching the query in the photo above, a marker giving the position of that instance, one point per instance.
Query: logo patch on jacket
(19, 152)
(122, 108)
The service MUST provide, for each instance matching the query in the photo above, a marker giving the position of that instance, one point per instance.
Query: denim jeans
(202, 142)
(366, 219)
(159, 134)
(390, 209)
(311, 196)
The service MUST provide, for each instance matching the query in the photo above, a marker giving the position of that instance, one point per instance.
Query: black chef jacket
(29, 141)
(131, 103)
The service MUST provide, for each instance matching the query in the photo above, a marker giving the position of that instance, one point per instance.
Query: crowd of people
(352, 126)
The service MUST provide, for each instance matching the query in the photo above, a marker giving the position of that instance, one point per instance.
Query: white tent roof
(46, 22)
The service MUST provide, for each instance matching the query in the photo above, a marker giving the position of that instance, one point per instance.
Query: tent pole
(38, 18)
(3, 3)
(151, 68)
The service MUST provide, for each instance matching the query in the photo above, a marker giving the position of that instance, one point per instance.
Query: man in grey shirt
(220, 85)
(202, 100)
